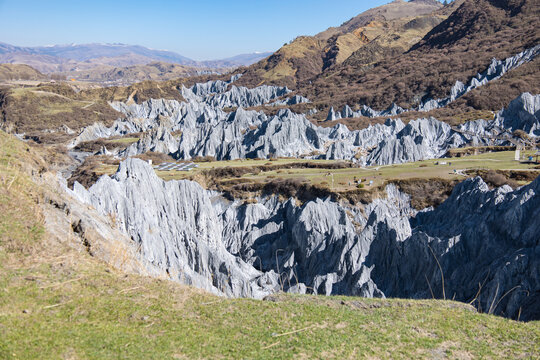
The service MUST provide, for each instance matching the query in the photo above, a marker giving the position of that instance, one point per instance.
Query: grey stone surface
(522, 113)
(421, 139)
(386, 248)
(156, 140)
(293, 100)
(479, 236)
(495, 70)
(365, 111)
(207, 130)
(238, 96)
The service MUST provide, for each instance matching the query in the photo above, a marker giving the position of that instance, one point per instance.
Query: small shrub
(496, 179)
(204, 159)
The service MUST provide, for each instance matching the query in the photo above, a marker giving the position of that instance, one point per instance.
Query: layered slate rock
(420, 139)
(481, 238)
(386, 248)
(293, 100)
(156, 140)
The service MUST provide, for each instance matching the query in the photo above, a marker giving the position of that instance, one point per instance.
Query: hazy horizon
(205, 30)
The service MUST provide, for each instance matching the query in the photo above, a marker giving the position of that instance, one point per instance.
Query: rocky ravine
(479, 236)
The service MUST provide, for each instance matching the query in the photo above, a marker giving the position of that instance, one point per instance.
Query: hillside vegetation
(406, 53)
(59, 301)
(486, 28)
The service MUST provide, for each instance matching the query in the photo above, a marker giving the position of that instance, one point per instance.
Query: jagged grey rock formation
(522, 113)
(386, 248)
(365, 111)
(208, 131)
(238, 96)
(479, 236)
(420, 139)
(205, 130)
(156, 140)
(213, 87)
(494, 71)
(177, 229)
(293, 100)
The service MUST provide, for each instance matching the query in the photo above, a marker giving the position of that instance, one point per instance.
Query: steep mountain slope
(394, 27)
(395, 10)
(456, 49)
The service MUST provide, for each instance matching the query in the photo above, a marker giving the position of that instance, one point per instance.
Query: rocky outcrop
(157, 140)
(386, 248)
(212, 87)
(487, 245)
(238, 96)
(421, 139)
(495, 71)
(522, 113)
(293, 100)
(208, 131)
(177, 229)
(365, 111)
(139, 118)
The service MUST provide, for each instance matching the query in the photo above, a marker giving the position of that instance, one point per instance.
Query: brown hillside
(19, 72)
(456, 49)
(308, 56)
(395, 10)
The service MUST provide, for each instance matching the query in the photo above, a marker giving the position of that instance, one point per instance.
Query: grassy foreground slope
(58, 302)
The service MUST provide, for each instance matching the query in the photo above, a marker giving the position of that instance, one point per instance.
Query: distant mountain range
(73, 57)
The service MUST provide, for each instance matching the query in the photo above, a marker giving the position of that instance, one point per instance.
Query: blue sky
(201, 30)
